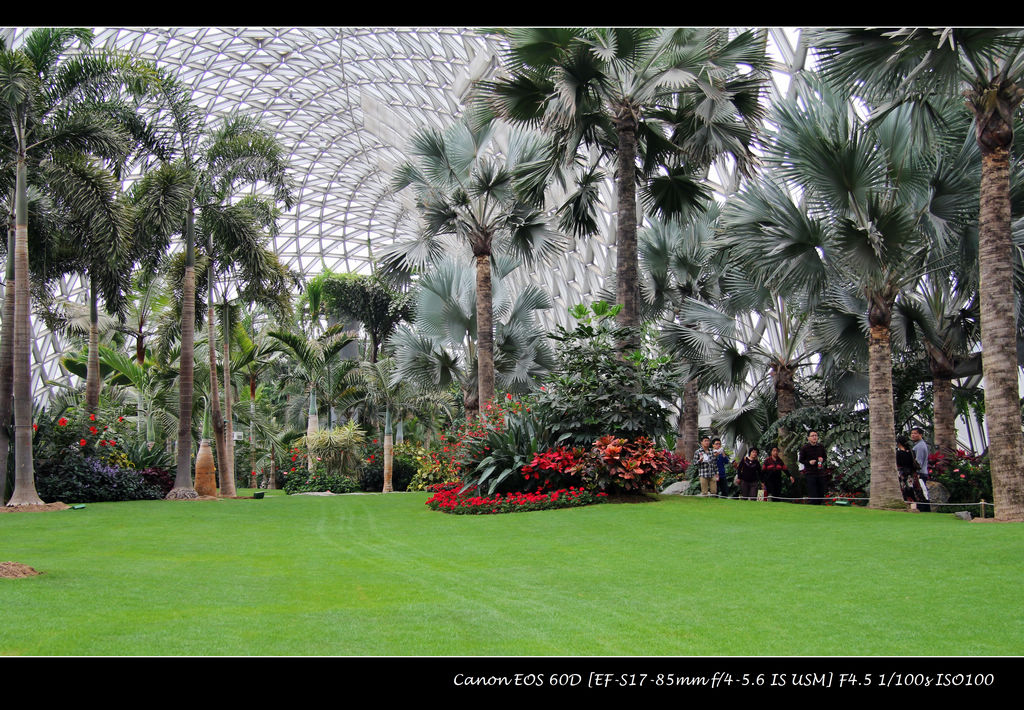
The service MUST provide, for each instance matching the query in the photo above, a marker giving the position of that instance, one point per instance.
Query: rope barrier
(981, 503)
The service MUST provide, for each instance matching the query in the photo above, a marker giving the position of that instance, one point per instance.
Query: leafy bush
(371, 472)
(302, 481)
(967, 478)
(621, 465)
(339, 449)
(158, 477)
(75, 478)
(503, 454)
(552, 469)
(595, 391)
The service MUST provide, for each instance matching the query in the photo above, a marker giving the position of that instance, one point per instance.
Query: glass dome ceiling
(344, 102)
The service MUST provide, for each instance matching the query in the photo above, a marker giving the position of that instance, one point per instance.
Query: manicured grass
(369, 575)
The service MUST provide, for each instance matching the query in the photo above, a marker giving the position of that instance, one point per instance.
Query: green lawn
(382, 575)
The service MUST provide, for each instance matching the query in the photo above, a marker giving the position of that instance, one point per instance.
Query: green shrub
(75, 478)
(339, 450)
(319, 481)
(595, 391)
(371, 473)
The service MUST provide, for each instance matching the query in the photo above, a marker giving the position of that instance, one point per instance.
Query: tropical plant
(462, 179)
(213, 164)
(922, 69)
(65, 108)
(870, 226)
(678, 97)
(370, 301)
(438, 349)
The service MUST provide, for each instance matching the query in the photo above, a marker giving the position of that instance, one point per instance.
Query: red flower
(112, 443)
(120, 419)
(92, 417)
(82, 442)
(93, 430)
(375, 441)
(62, 422)
(508, 396)
(102, 442)
(35, 427)
(294, 457)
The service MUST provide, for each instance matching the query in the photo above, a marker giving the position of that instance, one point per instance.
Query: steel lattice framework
(344, 103)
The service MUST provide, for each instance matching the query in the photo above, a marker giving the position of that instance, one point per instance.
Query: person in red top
(774, 468)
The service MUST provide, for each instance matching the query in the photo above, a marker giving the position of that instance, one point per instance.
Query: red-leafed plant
(622, 465)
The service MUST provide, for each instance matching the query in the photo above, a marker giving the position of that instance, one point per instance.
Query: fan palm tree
(462, 180)
(60, 106)
(870, 221)
(438, 349)
(922, 68)
(680, 96)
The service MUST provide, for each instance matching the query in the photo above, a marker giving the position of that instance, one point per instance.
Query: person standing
(773, 469)
(812, 456)
(748, 470)
(707, 470)
(906, 466)
(921, 459)
(718, 452)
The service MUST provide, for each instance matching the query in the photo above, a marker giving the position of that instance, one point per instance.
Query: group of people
(754, 475)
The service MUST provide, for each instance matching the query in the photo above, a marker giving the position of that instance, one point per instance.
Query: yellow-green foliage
(339, 449)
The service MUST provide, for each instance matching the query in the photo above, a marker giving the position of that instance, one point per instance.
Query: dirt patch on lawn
(33, 509)
(13, 570)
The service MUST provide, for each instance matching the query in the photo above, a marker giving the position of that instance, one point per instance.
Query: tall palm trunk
(215, 411)
(140, 359)
(998, 336)
(186, 377)
(21, 371)
(785, 393)
(312, 427)
(92, 376)
(885, 490)
(626, 269)
(6, 362)
(389, 453)
(252, 420)
(943, 414)
(691, 405)
(229, 424)
(484, 327)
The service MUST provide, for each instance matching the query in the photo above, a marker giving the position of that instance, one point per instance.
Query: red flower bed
(447, 499)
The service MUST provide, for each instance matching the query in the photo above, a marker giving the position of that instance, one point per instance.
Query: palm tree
(58, 105)
(680, 96)
(870, 222)
(213, 165)
(438, 349)
(923, 67)
(462, 180)
(312, 354)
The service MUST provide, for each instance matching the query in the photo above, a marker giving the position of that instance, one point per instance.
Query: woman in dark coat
(773, 469)
(749, 472)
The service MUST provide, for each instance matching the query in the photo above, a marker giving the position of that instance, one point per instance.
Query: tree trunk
(691, 407)
(252, 419)
(227, 475)
(312, 427)
(885, 489)
(186, 376)
(272, 483)
(484, 330)
(6, 362)
(998, 336)
(215, 412)
(944, 417)
(21, 369)
(785, 391)
(626, 269)
(389, 454)
(92, 376)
